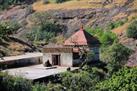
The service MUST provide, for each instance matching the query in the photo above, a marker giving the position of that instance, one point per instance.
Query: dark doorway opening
(56, 60)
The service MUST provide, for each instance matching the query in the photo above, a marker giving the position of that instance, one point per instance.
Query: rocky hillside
(72, 14)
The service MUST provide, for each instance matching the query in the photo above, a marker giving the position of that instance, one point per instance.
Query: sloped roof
(81, 37)
(57, 50)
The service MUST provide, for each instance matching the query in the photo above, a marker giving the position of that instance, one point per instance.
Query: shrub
(116, 24)
(81, 81)
(39, 87)
(55, 87)
(115, 56)
(43, 29)
(45, 33)
(9, 83)
(105, 37)
(6, 3)
(108, 38)
(123, 80)
(8, 28)
(132, 30)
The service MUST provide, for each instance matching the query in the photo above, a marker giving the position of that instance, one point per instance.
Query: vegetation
(77, 81)
(97, 78)
(44, 34)
(123, 80)
(132, 30)
(86, 80)
(8, 28)
(116, 24)
(6, 3)
(44, 29)
(115, 56)
(109, 75)
(9, 83)
(105, 37)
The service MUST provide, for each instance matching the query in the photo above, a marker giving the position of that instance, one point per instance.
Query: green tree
(132, 30)
(115, 56)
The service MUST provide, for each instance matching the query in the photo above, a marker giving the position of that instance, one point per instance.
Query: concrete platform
(25, 56)
(36, 72)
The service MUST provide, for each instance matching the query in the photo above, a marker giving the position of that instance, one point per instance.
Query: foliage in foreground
(9, 83)
(87, 80)
(123, 80)
(77, 81)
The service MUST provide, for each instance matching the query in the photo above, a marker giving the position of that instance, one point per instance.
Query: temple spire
(82, 29)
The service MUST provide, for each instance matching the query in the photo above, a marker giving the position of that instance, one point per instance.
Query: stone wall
(65, 58)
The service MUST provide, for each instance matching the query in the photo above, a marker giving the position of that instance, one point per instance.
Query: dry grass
(119, 16)
(16, 48)
(134, 4)
(78, 4)
(74, 4)
(121, 29)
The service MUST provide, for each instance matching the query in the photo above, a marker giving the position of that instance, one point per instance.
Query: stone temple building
(68, 54)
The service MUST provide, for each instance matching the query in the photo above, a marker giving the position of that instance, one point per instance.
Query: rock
(16, 13)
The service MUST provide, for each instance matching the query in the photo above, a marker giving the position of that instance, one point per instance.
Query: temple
(73, 51)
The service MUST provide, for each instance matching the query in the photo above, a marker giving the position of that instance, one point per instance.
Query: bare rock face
(16, 13)
(74, 19)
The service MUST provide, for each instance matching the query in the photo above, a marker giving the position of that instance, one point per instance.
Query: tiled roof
(81, 37)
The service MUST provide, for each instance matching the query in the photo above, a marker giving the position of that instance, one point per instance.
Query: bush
(82, 81)
(55, 87)
(39, 87)
(45, 33)
(116, 24)
(9, 83)
(6, 3)
(8, 28)
(132, 30)
(105, 37)
(115, 56)
(123, 80)
(43, 29)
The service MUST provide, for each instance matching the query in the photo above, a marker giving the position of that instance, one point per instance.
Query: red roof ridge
(81, 37)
